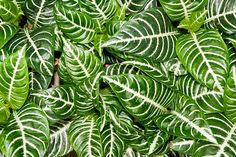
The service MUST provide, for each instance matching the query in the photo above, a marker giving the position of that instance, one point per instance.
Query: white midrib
(146, 99)
(234, 75)
(140, 64)
(39, 13)
(72, 22)
(208, 136)
(112, 141)
(63, 129)
(98, 9)
(89, 140)
(219, 15)
(185, 9)
(37, 52)
(199, 17)
(71, 51)
(225, 143)
(152, 147)
(207, 63)
(50, 97)
(14, 72)
(22, 133)
(140, 38)
(189, 142)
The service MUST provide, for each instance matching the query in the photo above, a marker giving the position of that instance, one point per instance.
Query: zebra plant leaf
(38, 81)
(206, 60)
(40, 12)
(113, 145)
(27, 132)
(102, 10)
(85, 137)
(78, 26)
(141, 96)
(118, 69)
(7, 31)
(133, 6)
(3, 55)
(182, 145)
(221, 15)
(80, 64)
(9, 11)
(181, 9)
(14, 79)
(175, 66)
(4, 112)
(225, 134)
(155, 42)
(59, 99)
(59, 143)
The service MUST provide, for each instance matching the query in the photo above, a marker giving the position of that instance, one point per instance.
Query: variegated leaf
(7, 31)
(38, 81)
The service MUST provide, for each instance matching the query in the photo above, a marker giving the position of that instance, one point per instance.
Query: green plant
(118, 78)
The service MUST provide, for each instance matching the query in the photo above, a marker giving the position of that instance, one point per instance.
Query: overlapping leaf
(14, 79)
(142, 36)
(7, 31)
(38, 81)
(133, 6)
(27, 132)
(9, 11)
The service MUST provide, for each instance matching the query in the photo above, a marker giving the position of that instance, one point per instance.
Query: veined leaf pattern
(7, 31)
(38, 81)
(142, 36)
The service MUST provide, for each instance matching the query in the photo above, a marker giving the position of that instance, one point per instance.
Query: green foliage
(118, 78)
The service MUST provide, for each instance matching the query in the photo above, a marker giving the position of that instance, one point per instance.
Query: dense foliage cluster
(118, 78)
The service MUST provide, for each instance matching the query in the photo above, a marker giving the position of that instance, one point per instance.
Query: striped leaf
(156, 70)
(9, 11)
(133, 6)
(40, 12)
(141, 96)
(132, 153)
(182, 145)
(4, 112)
(3, 55)
(76, 25)
(38, 81)
(59, 143)
(86, 94)
(175, 66)
(84, 136)
(7, 31)
(80, 64)
(186, 121)
(231, 39)
(62, 70)
(205, 56)
(142, 36)
(102, 10)
(14, 79)
(181, 9)
(73, 4)
(60, 99)
(118, 69)
(27, 132)
(207, 100)
(113, 145)
(229, 94)
(221, 15)
(225, 134)
(40, 48)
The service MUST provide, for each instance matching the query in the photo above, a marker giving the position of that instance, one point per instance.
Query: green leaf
(27, 132)
(4, 112)
(38, 81)
(231, 39)
(142, 36)
(175, 66)
(102, 10)
(7, 31)
(62, 70)
(59, 143)
(72, 4)
(205, 56)
(156, 70)
(99, 39)
(9, 11)
(76, 25)
(40, 12)
(186, 121)
(182, 145)
(60, 100)
(86, 94)
(80, 64)
(113, 145)
(14, 79)
(141, 96)
(114, 26)
(132, 153)
(195, 21)
(221, 15)
(133, 6)
(181, 9)
(225, 134)
(120, 68)
(3, 55)
(84, 136)
(207, 100)
(40, 48)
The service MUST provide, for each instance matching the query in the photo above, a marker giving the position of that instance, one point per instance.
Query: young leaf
(142, 36)
(27, 132)
(14, 79)
(206, 60)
